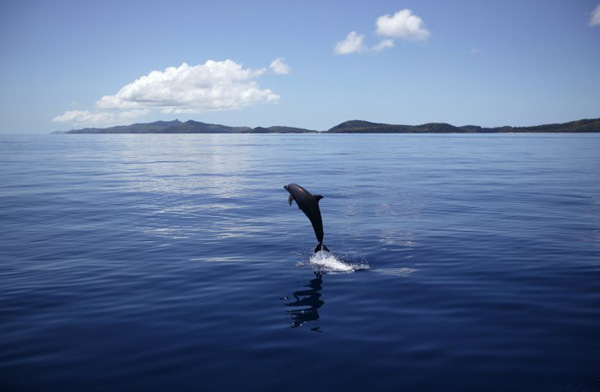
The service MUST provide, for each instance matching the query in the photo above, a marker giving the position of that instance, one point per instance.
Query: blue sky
(313, 64)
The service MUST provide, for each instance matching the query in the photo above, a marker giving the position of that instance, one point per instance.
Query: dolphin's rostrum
(309, 204)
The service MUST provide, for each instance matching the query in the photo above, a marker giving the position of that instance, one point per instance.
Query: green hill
(190, 126)
(357, 126)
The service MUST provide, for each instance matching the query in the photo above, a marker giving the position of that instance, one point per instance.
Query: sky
(312, 64)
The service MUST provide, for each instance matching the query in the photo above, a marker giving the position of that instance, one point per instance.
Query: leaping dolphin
(309, 204)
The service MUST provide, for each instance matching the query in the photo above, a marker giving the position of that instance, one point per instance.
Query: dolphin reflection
(307, 304)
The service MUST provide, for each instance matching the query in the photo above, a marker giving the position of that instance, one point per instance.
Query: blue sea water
(174, 262)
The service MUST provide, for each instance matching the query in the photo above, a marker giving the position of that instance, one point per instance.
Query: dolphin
(309, 204)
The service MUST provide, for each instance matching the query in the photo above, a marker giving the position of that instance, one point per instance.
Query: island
(353, 126)
(357, 126)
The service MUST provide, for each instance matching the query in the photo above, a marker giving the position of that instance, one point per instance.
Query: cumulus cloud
(403, 25)
(386, 43)
(353, 43)
(214, 85)
(595, 18)
(280, 67)
(85, 117)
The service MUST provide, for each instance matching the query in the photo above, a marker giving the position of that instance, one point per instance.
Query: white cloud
(476, 51)
(403, 25)
(280, 67)
(84, 117)
(353, 43)
(215, 85)
(386, 43)
(595, 18)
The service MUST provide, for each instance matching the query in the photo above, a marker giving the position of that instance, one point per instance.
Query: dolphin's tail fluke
(320, 247)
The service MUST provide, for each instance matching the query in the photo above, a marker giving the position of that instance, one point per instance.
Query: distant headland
(354, 126)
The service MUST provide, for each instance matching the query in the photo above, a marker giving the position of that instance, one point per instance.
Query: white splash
(328, 262)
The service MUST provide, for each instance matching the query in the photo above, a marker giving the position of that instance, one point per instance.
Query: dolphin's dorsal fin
(290, 199)
(318, 197)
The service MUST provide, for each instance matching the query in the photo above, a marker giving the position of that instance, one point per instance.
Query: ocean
(174, 262)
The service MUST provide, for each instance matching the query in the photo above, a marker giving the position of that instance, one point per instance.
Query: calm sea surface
(173, 262)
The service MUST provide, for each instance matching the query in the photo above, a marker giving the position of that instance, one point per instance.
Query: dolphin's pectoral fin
(318, 197)
(290, 199)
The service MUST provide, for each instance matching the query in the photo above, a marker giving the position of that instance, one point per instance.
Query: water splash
(324, 261)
